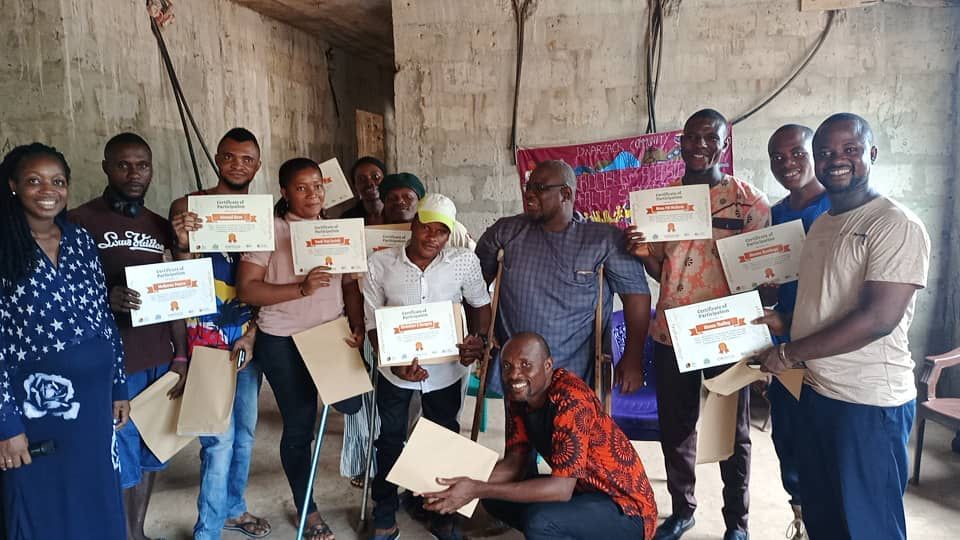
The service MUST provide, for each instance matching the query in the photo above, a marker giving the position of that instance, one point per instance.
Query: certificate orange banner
(675, 207)
(335, 241)
(725, 323)
(424, 325)
(769, 250)
(167, 285)
(249, 218)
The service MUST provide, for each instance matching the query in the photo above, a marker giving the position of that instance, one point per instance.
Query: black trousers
(296, 396)
(393, 403)
(678, 406)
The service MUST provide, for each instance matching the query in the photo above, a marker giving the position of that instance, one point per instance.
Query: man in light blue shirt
(424, 271)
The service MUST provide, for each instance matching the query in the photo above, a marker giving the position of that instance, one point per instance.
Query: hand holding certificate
(232, 223)
(770, 255)
(428, 332)
(335, 185)
(338, 244)
(672, 213)
(717, 332)
(171, 291)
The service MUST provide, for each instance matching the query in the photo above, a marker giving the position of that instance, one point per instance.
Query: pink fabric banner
(608, 171)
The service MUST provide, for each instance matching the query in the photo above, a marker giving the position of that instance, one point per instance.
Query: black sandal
(319, 531)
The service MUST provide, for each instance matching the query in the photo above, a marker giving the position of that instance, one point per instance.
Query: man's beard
(854, 184)
(230, 184)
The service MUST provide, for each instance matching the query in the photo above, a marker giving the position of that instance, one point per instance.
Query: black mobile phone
(241, 356)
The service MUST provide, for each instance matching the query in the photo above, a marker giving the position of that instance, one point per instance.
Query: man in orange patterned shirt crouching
(597, 487)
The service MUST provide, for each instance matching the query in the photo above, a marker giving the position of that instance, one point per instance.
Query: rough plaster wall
(583, 78)
(73, 73)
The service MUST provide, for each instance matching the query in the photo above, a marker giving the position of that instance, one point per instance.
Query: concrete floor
(933, 508)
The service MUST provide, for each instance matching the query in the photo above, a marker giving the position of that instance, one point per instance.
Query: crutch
(602, 376)
(487, 350)
(313, 470)
(371, 421)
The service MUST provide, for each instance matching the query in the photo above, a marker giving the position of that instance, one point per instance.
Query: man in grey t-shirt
(862, 263)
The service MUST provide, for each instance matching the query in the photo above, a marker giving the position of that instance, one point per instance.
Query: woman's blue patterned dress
(61, 368)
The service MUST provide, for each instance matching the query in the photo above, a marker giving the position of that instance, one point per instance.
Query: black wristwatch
(483, 338)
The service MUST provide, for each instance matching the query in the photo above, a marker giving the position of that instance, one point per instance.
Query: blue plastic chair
(636, 413)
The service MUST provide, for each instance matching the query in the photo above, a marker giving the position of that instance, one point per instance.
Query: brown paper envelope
(208, 396)
(792, 380)
(434, 452)
(458, 319)
(156, 418)
(733, 379)
(718, 425)
(336, 368)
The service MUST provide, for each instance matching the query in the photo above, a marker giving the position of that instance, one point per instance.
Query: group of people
(70, 361)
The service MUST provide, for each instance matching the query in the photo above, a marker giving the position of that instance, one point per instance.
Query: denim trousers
(297, 400)
(225, 460)
(585, 516)
(853, 468)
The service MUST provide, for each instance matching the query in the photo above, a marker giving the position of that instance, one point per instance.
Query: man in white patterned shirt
(424, 271)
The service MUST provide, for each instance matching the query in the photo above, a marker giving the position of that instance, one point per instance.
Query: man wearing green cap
(401, 193)
(426, 270)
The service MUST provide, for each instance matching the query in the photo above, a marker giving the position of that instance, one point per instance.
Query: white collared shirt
(392, 280)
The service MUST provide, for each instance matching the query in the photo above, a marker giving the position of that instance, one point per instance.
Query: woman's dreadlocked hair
(18, 250)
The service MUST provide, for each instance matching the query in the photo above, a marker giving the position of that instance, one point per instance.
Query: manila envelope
(435, 452)
(718, 425)
(740, 375)
(336, 368)
(208, 396)
(156, 418)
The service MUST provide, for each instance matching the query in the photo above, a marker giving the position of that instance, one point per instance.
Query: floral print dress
(61, 368)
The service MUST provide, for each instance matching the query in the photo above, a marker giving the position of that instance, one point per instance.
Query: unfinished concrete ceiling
(364, 27)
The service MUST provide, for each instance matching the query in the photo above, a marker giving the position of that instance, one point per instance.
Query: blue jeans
(786, 427)
(586, 516)
(225, 460)
(135, 457)
(853, 468)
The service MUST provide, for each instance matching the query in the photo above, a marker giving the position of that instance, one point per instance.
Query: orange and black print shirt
(585, 444)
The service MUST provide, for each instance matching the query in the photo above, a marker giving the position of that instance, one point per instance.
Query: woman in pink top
(290, 304)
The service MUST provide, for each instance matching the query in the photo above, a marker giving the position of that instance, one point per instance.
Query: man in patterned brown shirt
(597, 487)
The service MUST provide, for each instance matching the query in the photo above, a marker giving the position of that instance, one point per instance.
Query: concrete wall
(583, 81)
(75, 73)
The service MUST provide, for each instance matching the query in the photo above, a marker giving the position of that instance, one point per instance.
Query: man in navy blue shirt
(791, 161)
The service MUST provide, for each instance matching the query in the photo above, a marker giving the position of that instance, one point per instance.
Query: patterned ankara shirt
(52, 310)
(691, 270)
(588, 446)
(392, 280)
(550, 284)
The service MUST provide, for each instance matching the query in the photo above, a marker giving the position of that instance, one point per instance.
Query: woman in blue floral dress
(61, 363)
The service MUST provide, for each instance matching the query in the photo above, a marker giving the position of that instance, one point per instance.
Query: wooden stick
(487, 350)
(598, 339)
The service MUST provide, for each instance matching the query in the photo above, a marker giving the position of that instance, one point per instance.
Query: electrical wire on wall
(796, 72)
(654, 55)
(522, 11)
(160, 15)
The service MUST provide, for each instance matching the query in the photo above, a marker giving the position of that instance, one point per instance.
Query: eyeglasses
(538, 187)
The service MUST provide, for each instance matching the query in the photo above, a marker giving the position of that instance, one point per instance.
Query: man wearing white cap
(426, 270)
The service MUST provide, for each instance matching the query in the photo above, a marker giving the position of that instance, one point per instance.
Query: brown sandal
(250, 526)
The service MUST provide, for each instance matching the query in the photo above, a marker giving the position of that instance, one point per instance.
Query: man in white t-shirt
(862, 263)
